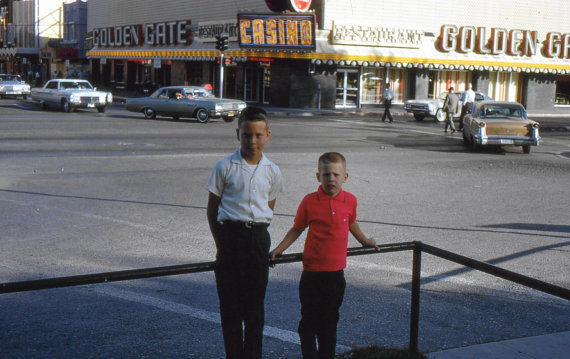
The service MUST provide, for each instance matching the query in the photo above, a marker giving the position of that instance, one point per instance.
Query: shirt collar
(323, 196)
(237, 158)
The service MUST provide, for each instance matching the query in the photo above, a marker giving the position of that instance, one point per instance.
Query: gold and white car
(500, 123)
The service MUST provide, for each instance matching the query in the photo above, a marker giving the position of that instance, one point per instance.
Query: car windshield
(10, 78)
(82, 85)
(199, 93)
(497, 111)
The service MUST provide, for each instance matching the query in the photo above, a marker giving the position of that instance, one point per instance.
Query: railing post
(415, 303)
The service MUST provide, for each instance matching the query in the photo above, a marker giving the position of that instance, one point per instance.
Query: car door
(160, 104)
(177, 104)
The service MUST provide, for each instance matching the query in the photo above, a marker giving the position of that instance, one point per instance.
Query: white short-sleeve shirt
(245, 191)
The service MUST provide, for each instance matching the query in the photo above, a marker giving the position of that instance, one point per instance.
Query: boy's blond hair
(331, 157)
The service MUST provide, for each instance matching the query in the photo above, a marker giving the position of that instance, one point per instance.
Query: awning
(7, 51)
(154, 53)
(425, 57)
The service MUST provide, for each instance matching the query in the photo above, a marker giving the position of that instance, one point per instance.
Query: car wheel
(202, 116)
(25, 97)
(229, 119)
(149, 113)
(43, 105)
(101, 109)
(419, 117)
(66, 106)
(440, 116)
(526, 149)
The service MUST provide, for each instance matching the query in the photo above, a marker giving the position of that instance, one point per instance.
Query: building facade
(28, 27)
(509, 50)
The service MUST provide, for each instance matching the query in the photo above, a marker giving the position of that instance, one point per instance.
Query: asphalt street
(86, 193)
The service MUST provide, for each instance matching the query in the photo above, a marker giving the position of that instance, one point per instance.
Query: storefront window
(372, 85)
(562, 90)
(505, 86)
(446, 79)
(346, 88)
(398, 79)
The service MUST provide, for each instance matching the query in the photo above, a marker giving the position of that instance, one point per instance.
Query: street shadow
(494, 261)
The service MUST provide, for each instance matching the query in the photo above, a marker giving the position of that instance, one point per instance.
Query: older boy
(243, 188)
(330, 213)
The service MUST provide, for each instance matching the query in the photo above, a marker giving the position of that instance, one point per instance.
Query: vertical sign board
(277, 31)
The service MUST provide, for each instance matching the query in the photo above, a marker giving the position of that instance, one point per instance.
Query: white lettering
(515, 40)
(447, 41)
(467, 39)
(118, 36)
(149, 34)
(499, 40)
(553, 48)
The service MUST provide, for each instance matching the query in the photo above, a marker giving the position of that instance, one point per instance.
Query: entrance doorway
(346, 88)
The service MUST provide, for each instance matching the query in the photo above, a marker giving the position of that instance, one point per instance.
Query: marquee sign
(161, 33)
(284, 32)
(496, 41)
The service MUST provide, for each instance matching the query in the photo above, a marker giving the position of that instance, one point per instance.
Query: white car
(13, 86)
(434, 107)
(70, 94)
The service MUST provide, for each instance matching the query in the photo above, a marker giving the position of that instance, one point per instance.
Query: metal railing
(416, 247)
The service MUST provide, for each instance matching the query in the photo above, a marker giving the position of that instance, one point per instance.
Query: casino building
(336, 54)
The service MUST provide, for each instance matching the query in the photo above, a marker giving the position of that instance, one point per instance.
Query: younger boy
(243, 188)
(330, 213)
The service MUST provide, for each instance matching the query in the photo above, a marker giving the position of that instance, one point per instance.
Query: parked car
(500, 123)
(70, 94)
(434, 107)
(14, 86)
(186, 101)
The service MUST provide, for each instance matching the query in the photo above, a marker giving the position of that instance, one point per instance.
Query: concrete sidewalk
(550, 346)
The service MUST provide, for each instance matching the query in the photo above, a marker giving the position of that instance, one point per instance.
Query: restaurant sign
(283, 32)
(371, 35)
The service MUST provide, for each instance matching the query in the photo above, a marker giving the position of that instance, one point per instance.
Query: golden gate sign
(275, 31)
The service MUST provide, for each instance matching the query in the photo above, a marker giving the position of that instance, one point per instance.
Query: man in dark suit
(450, 107)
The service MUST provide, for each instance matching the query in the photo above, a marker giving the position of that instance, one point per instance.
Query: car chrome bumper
(506, 140)
(233, 113)
(420, 111)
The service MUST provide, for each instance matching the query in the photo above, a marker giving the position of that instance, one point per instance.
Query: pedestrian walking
(450, 107)
(330, 213)
(243, 189)
(468, 100)
(387, 97)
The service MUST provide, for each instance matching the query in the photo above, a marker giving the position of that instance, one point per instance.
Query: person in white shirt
(388, 95)
(243, 189)
(468, 100)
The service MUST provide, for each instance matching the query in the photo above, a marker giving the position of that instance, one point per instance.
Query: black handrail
(163, 271)
(416, 247)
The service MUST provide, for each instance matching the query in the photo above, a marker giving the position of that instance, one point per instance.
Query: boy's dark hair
(331, 157)
(253, 114)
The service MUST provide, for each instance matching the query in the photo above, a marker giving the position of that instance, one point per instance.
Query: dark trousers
(449, 120)
(321, 295)
(241, 278)
(387, 105)
(464, 110)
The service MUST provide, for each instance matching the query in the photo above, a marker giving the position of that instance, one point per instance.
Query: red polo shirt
(328, 219)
